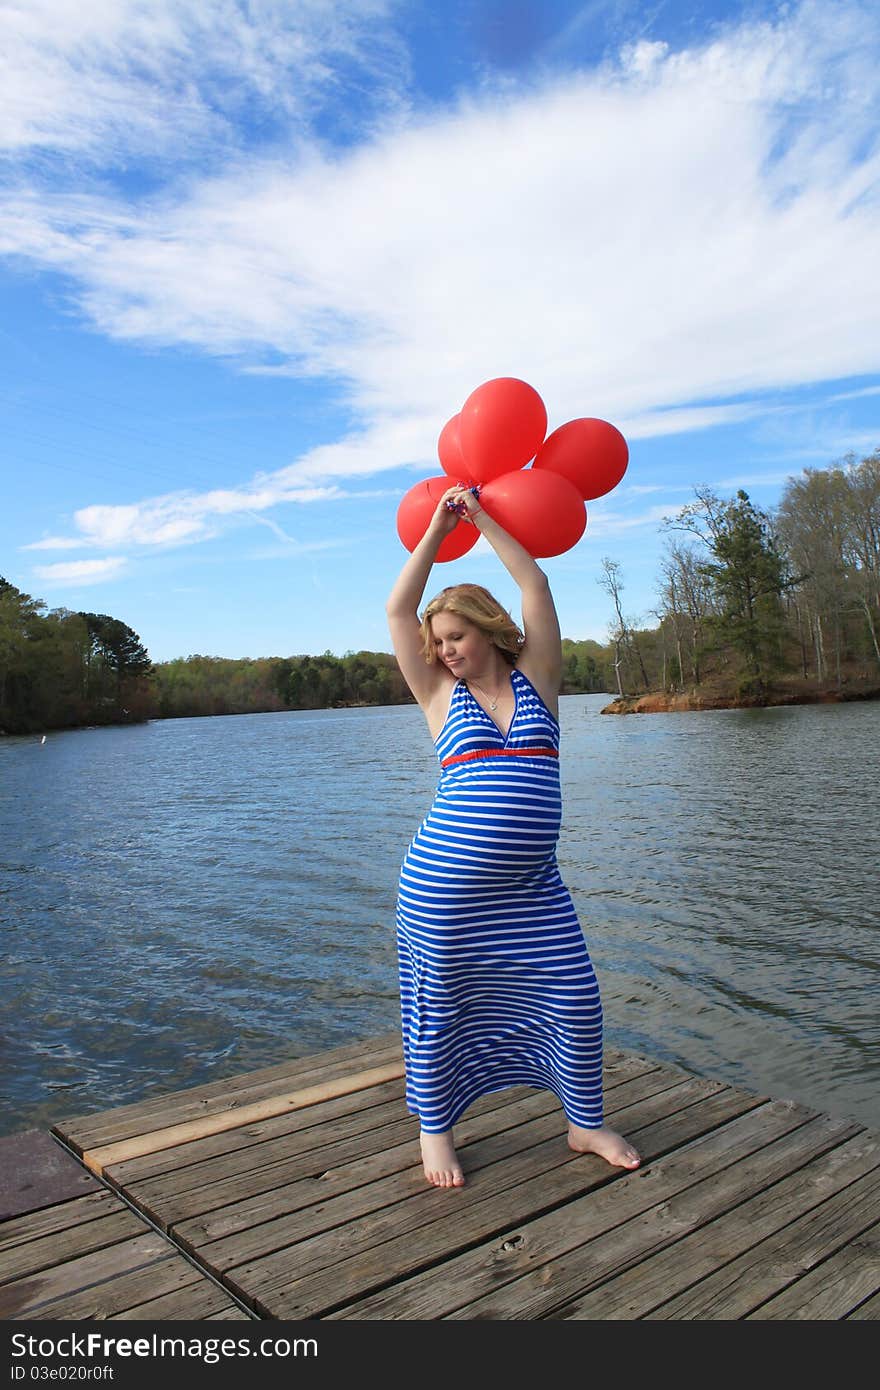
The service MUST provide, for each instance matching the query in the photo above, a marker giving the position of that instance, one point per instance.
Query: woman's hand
(445, 518)
(460, 501)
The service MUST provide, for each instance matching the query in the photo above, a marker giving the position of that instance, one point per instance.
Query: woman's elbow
(537, 582)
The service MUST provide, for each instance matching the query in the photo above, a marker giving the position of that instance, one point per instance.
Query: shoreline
(675, 702)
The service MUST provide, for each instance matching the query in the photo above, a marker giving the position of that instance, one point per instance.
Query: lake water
(189, 899)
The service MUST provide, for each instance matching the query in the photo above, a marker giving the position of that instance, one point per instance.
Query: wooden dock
(286, 1194)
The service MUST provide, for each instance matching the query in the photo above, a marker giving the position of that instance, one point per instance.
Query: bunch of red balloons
(501, 428)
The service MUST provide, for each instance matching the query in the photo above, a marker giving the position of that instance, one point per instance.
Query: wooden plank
(529, 1270)
(50, 1221)
(869, 1311)
(110, 1126)
(176, 1196)
(742, 1285)
(542, 1293)
(166, 1138)
(691, 1211)
(46, 1251)
(246, 1199)
(196, 1302)
(654, 1280)
(360, 1111)
(110, 1297)
(377, 1204)
(508, 1191)
(340, 1265)
(25, 1297)
(834, 1288)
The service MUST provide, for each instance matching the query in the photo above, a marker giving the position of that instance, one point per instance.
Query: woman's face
(460, 644)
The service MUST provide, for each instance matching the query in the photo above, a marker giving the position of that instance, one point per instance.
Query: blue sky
(253, 256)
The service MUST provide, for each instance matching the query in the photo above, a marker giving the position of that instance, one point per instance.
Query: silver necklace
(493, 704)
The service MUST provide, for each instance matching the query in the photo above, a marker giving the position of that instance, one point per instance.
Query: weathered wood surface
(744, 1208)
(93, 1258)
(718, 1239)
(300, 1266)
(173, 1136)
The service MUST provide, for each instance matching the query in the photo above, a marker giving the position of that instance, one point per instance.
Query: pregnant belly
(490, 839)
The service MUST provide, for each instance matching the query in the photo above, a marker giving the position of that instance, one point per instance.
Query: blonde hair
(478, 606)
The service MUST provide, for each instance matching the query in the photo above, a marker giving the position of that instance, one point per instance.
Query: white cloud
(292, 545)
(111, 78)
(54, 543)
(621, 239)
(743, 480)
(678, 227)
(82, 571)
(641, 489)
(652, 423)
(857, 395)
(179, 518)
(607, 522)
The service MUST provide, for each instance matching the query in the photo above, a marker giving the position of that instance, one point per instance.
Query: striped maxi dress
(496, 984)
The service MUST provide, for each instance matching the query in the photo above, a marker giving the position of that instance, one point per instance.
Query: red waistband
(499, 753)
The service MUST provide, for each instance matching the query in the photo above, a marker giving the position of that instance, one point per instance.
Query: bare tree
(813, 529)
(689, 598)
(622, 631)
(861, 546)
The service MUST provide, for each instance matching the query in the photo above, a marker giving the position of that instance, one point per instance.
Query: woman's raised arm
(426, 682)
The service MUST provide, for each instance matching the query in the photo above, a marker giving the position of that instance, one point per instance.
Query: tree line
(747, 598)
(201, 685)
(61, 669)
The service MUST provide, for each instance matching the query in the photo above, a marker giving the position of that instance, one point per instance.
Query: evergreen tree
(746, 575)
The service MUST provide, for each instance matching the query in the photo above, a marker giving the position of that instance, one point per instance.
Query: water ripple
(194, 898)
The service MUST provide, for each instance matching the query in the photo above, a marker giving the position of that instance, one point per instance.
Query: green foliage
(116, 645)
(745, 576)
(585, 667)
(830, 526)
(60, 669)
(200, 685)
(795, 593)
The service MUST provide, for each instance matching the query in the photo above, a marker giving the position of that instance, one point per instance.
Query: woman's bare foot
(442, 1167)
(607, 1143)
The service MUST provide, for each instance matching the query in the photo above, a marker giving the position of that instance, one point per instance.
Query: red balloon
(414, 515)
(501, 426)
(590, 453)
(543, 511)
(449, 451)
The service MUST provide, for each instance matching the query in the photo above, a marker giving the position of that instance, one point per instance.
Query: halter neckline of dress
(519, 685)
(505, 734)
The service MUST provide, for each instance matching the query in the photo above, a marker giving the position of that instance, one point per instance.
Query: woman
(497, 988)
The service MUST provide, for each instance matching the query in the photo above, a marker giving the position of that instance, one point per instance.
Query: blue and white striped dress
(496, 985)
